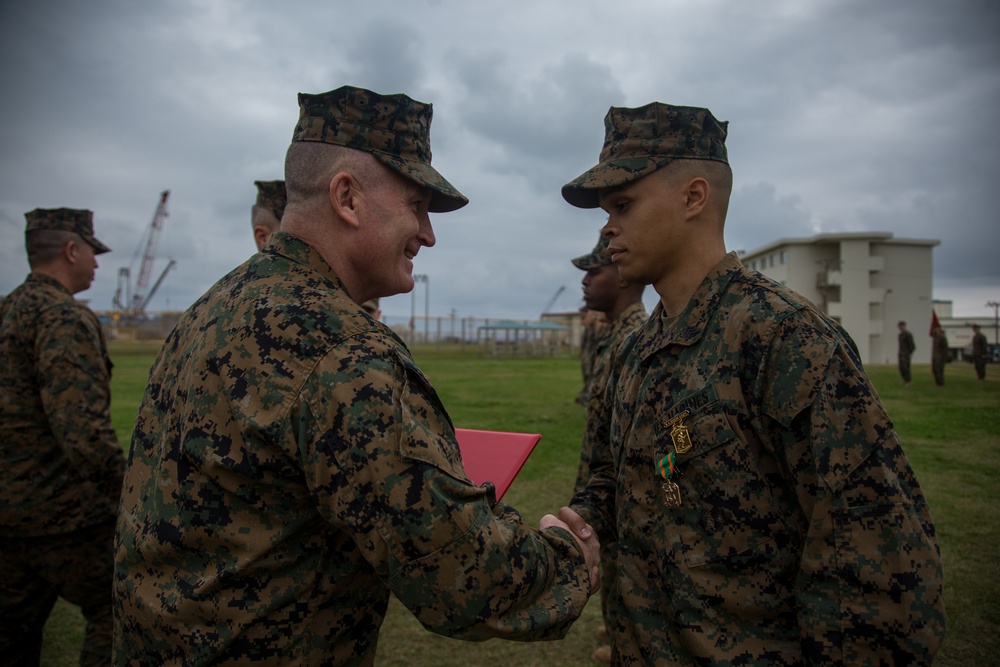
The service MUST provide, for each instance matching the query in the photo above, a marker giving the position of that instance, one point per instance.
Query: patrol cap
(597, 258)
(80, 221)
(639, 141)
(271, 195)
(393, 128)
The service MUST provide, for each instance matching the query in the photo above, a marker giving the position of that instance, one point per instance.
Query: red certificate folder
(495, 456)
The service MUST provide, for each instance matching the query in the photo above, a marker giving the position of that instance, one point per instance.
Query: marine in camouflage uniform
(764, 510)
(291, 466)
(906, 349)
(60, 461)
(621, 304)
(625, 313)
(980, 352)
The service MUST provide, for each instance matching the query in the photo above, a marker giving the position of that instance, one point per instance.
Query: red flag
(934, 322)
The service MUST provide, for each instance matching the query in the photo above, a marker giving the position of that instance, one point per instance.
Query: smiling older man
(291, 466)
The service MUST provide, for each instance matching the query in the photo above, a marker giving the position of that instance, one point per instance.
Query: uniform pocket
(728, 512)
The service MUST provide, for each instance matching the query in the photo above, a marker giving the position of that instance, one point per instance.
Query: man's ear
(261, 234)
(345, 198)
(696, 196)
(70, 251)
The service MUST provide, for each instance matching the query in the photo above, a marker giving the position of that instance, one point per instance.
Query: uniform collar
(688, 327)
(283, 244)
(613, 330)
(47, 280)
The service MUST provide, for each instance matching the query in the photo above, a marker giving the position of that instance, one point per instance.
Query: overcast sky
(844, 115)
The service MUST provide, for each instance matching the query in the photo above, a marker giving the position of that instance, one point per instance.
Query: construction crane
(552, 301)
(133, 300)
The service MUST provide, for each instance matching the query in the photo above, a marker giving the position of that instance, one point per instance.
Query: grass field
(951, 436)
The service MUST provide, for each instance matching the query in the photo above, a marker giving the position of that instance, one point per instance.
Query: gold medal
(679, 433)
(671, 494)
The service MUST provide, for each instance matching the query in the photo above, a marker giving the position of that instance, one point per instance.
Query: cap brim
(99, 248)
(588, 262)
(582, 191)
(445, 197)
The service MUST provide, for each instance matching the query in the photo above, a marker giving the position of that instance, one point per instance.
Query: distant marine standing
(906, 349)
(940, 353)
(60, 461)
(620, 303)
(980, 352)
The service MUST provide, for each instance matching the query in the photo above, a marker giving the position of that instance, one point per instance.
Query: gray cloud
(844, 115)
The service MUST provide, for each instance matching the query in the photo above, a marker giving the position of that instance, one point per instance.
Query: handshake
(585, 537)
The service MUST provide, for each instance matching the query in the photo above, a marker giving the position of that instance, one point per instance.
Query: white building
(867, 281)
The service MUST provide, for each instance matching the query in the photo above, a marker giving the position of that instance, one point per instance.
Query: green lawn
(951, 435)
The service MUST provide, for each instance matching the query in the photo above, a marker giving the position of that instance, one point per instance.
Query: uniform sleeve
(384, 465)
(869, 587)
(74, 380)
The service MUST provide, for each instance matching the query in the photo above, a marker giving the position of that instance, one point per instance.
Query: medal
(679, 432)
(671, 492)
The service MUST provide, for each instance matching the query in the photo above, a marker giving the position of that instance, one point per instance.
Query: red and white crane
(136, 298)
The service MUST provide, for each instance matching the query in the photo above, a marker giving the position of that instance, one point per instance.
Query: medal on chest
(667, 469)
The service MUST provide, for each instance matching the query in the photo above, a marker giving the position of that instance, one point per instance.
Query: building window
(782, 256)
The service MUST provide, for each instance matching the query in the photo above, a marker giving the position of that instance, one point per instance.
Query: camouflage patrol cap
(393, 128)
(597, 258)
(80, 221)
(271, 195)
(639, 141)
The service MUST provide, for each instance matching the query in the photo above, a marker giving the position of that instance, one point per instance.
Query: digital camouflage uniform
(617, 331)
(590, 337)
(60, 461)
(613, 333)
(802, 535)
(290, 467)
(763, 507)
(630, 320)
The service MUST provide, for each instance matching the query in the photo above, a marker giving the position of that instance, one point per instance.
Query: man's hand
(584, 535)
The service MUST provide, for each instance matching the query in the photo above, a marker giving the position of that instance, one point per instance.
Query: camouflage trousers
(76, 566)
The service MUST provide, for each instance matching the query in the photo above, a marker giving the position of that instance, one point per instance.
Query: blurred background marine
(619, 302)
(60, 461)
